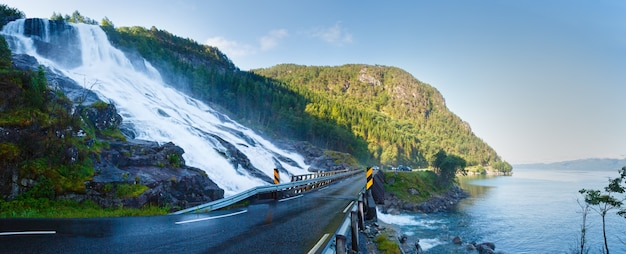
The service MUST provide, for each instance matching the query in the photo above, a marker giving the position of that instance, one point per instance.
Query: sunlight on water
(533, 211)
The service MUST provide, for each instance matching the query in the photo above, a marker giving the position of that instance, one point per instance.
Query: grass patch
(46, 208)
(342, 158)
(423, 181)
(385, 245)
(126, 190)
(114, 133)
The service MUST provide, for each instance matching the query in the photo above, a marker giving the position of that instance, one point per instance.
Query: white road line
(323, 188)
(211, 218)
(348, 207)
(28, 233)
(285, 199)
(318, 244)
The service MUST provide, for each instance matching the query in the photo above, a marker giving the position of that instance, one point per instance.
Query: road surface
(293, 225)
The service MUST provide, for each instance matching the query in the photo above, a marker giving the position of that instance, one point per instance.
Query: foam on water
(407, 220)
(160, 113)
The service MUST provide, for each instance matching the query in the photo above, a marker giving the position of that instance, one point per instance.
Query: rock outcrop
(131, 173)
(317, 158)
(159, 167)
(439, 203)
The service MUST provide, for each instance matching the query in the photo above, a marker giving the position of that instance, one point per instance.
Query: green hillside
(403, 120)
(381, 115)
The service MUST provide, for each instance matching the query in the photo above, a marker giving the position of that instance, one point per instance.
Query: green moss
(9, 151)
(101, 105)
(113, 133)
(46, 208)
(125, 190)
(174, 160)
(22, 117)
(108, 188)
(385, 245)
(342, 158)
(423, 181)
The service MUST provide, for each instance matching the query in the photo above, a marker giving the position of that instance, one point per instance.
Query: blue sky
(540, 81)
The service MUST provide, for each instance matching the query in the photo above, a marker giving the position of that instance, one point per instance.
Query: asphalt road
(293, 225)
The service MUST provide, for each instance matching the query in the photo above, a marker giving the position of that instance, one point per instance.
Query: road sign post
(276, 181)
(370, 178)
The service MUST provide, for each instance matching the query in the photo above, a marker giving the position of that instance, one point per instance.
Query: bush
(385, 245)
(125, 190)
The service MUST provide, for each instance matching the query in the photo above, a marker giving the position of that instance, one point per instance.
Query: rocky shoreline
(440, 203)
(436, 204)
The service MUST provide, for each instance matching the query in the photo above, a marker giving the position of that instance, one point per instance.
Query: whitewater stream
(154, 109)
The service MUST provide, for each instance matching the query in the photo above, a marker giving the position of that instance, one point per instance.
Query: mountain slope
(379, 114)
(402, 119)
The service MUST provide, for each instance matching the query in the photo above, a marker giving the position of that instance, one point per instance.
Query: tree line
(379, 114)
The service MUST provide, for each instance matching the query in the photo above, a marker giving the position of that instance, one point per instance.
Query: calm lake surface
(533, 211)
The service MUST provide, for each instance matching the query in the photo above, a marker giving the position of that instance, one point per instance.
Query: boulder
(402, 238)
(457, 240)
(486, 248)
(418, 247)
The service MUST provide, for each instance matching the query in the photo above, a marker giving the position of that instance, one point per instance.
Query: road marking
(212, 218)
(348, 207)
(285, 199)
(28, 233)
(318, 244)
(323, 188)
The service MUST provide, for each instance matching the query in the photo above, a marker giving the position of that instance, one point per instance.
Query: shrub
(385, 245)
(125, 190)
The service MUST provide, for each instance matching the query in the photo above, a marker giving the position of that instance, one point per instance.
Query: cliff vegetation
(379, 114)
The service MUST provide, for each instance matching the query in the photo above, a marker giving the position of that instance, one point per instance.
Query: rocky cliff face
(129, 173)
(159, 167)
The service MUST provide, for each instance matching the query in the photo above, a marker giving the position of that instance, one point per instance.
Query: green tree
(5, 55)
(503, 166)
(8, 14)
(447, 166)
(604, 201)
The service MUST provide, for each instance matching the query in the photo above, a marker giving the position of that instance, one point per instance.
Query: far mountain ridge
(580, 164)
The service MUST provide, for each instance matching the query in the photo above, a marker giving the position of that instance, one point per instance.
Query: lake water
(533, 211)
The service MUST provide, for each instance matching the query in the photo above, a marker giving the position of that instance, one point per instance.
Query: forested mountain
(403, 120)
(381, 115)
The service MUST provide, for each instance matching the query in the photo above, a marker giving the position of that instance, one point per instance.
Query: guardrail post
(340, 244)
(355, 232)
(361, 215)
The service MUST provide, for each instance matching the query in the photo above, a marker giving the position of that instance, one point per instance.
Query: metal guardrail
(224, 202)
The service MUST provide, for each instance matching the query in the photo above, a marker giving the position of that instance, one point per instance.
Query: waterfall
(154, 109)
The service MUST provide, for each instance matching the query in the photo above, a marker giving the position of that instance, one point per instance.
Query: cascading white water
(158, 112)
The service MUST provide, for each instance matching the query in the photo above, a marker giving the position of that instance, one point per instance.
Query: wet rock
(240, 160)
(159, 167)
(418, 247)
(486, 248)
(457, 240)
(440, 203)
(402, 238)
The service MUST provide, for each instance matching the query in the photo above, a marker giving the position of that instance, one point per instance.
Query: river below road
(533, 211)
